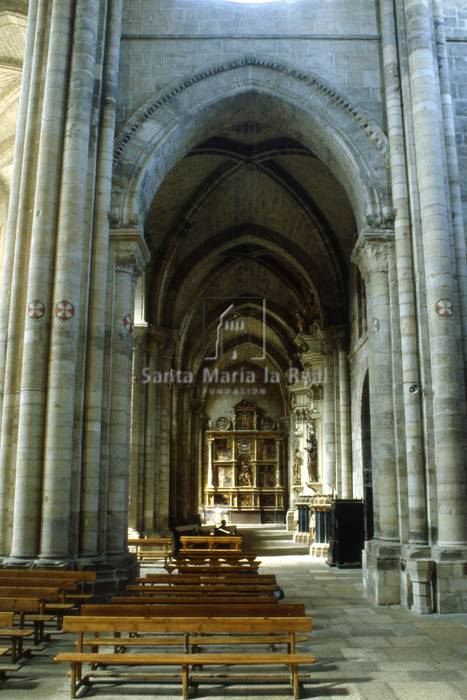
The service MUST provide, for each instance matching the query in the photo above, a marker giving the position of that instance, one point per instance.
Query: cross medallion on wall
(36, 309)
(64, 310)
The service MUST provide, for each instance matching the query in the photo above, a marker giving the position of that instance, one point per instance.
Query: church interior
(233, 349)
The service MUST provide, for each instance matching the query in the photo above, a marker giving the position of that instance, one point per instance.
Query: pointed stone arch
(163, 130)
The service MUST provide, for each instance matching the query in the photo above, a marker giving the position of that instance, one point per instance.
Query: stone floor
(364, 652)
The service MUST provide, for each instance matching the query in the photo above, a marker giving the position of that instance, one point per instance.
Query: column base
(451, 579)
(114, 571)
(381, 578)
(417, 579)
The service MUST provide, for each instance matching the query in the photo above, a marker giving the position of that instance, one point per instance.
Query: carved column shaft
(417, 514)
(345, 429)
(329, 436)
(372, 254)
(443, 303)
(130, 255)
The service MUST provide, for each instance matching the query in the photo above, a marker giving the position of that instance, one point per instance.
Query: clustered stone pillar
(373, 255)
(443, 301)
(329, 446)
(344, 413)
(66, 323)
(130, 256)
(414, 453)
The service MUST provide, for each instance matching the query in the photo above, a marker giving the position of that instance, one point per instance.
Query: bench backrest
(62, 584)
(205, 610)
(27, 592)
(210, 542)
(194, 599)
(85, 576)
(27, 605)
(208, 588)
(190, 579)
(210, 625)
(206, 569)
(7, 619)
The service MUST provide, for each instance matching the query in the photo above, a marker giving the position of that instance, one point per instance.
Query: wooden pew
(29, 610)
(226, 556)
(7, 620)
(225, 587)
(194, 600)
(210, 543)
(139, 609)
(82, 578)
(16, 636)
(226, 627)
(152, 548)
(50, 599)
(68, 588)
(203, 610)
(205, 568)
(190, 579)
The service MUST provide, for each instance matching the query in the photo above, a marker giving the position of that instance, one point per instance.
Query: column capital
(372, 250)
(131, 252)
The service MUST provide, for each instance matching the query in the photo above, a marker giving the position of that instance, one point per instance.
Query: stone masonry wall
(165, 40)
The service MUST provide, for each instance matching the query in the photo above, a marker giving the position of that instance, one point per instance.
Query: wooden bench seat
(195, 626)
(152, 548)
(16, 637)
(29, 610)
(186, 662)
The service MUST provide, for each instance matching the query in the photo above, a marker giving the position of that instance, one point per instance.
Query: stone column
(34, 328)
(345, 431)
(452, 164)
(337, 422)
(130, 254)
(381, 564)
(138, 429)
(414, 452)
(64, 342)
(371, 254)
(165, 343)
(329, 437)
(94, 407)
(444, 310)
(148, 487)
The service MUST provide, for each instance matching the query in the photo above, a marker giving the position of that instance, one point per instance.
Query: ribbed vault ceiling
(246, 215)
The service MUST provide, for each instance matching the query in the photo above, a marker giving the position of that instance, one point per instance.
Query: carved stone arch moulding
(356, 147)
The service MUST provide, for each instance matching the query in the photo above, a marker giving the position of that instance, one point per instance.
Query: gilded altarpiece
(244, 472)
